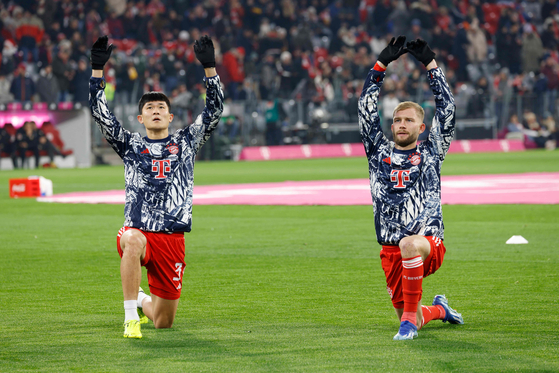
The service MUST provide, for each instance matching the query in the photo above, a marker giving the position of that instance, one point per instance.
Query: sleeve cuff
(212, 80)
(97, 82)
(378, 68)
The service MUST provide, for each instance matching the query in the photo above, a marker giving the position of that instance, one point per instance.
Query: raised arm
(442, 128)
(199, 132)
(369, 120)
(111, 129)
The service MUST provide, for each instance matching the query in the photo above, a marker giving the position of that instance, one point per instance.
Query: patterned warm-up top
(406, 185)
(159, 174)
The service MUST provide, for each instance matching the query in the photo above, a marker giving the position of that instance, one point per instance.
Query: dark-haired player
(406, 188)
(158, 171)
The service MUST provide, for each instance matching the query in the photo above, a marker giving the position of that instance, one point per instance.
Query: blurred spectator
(475, 10)
(548, 9)
(288, 75)
(399, 17)
(477, 46)
(5, 94)
(54, 31)
(79, 49)
(380, 17)
(29, 33)
(535, 131)
(45, 51)
(443, 19)
(182, 100)
(63, 73)
(459, 48)
(514, 124)
(247, 92)
(532, 10)
(269, 78)
(80, 82)
(550, 69)
(509, 47)
(441, 43)
(22, 87)
(8, 61)
(389, 103)
(553, 137)
(7, 146)
(116, 27)
(229, 128)
(414, 83)
(170, 65)
(532, 49)
(550, 38)
(274, 116)
(233, 63)
(47, 86)
(480, 100)
(417, 32)
(73, 27)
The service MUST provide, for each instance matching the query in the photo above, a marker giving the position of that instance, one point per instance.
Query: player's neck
(157, 134)
(408, 147)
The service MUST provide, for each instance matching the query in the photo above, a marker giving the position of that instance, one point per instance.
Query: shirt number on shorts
(178, 270)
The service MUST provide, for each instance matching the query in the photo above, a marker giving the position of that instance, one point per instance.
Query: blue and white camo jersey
(159, 174)
(406, 185)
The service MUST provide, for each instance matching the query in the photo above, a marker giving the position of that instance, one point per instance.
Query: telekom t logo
(161, 167)
(399, 177)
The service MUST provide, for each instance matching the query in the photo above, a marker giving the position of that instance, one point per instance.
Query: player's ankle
(131, 310)
(411, 317)
(141, 298)
(442, 313)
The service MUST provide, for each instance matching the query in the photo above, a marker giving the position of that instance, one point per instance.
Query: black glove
(100, 54)
(393, 50)
(204, 49)
(421, 51)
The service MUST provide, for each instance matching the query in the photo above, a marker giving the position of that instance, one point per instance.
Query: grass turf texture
(276, 288)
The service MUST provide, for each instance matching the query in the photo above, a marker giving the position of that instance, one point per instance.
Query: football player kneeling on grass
(406, 187)
(158, 171)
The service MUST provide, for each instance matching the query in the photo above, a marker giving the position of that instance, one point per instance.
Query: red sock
(412, 278)
(432, 313)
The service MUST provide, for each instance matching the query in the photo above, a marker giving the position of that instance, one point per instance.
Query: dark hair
(151, 97)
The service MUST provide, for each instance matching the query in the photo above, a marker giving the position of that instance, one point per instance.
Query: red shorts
(391, 260)
(164, 261)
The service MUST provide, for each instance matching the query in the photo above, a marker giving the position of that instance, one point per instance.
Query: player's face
(155, 116)
(406, 127)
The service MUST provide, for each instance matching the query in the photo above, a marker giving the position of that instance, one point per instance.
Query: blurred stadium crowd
(308, 57)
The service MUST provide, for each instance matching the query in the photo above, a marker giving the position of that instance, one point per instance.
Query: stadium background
(292, 70)
(282, 288)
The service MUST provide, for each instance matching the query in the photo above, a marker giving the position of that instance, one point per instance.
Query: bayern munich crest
(415, 160)
(173, 149)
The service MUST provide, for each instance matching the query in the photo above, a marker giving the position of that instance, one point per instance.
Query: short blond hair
(410, 105)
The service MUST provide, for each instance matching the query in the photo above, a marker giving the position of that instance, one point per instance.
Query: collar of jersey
(158, 140)
(409, 151)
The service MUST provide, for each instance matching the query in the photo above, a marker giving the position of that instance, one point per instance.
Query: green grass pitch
(276, 288)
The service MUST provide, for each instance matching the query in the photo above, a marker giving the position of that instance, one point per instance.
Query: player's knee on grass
(133, 243)
(164, 311)
(163, 319)
(163, 322)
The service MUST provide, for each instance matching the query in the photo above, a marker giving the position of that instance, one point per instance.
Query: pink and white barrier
(489, 146)
(267, 153)
(270, 153)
